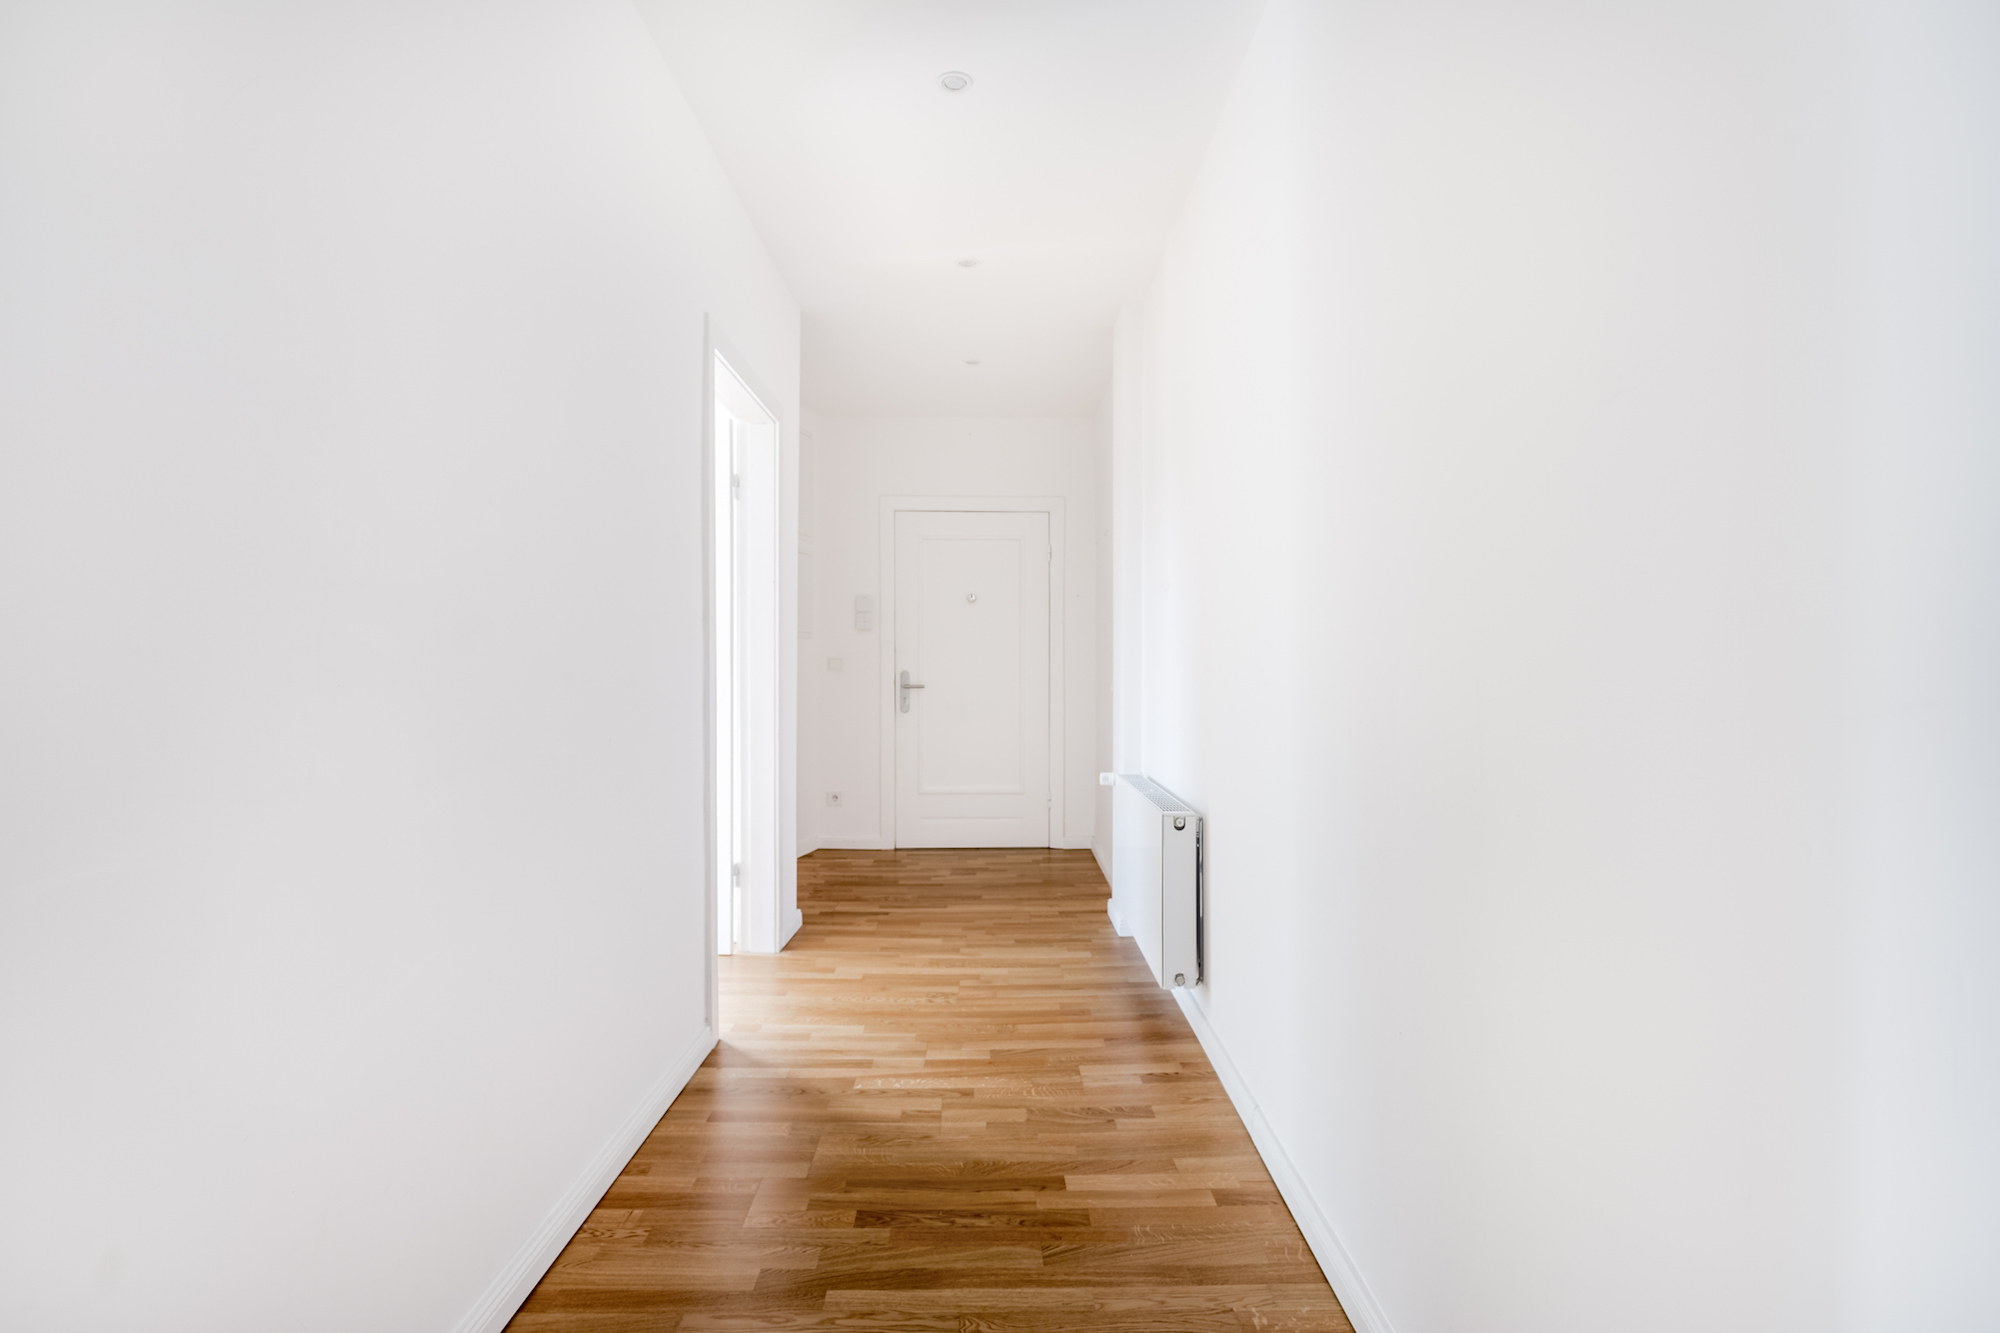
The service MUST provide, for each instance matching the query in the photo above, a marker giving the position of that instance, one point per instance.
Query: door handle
(904, 687)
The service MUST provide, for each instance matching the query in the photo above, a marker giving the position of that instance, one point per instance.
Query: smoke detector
(953, 81)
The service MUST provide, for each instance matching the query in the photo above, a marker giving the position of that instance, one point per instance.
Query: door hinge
(736, 873)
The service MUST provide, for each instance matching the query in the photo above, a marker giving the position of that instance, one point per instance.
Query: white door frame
(778, 916)
(1052, 505)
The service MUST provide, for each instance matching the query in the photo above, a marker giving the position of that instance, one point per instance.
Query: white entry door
(971, 681)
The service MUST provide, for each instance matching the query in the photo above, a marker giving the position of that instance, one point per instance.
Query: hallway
(956, 1101)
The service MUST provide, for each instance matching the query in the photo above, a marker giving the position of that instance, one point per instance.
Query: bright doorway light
(744, 719)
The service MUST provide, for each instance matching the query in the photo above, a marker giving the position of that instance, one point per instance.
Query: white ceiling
(1061, 170)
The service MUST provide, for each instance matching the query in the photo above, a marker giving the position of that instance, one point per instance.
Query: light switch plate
(864, 610)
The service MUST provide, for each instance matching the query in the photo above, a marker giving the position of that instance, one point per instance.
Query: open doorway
(744, 510)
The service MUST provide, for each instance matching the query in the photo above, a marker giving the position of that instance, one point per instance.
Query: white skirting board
(497, 1304)
(1363, 1311)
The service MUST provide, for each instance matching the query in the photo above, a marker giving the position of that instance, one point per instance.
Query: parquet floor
(956, 1102)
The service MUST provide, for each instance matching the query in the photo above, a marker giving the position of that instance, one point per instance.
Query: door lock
(903, 688)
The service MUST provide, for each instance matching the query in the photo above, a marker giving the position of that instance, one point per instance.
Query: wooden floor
(957, 1101)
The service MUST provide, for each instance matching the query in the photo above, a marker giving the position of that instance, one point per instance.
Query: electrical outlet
(833, 798)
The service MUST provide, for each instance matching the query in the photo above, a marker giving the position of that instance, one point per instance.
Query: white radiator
(1156, 877)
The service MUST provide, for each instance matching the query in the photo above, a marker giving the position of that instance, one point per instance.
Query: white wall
(1923, 590)
(351, 765)
(860, 460)
(1555, 479)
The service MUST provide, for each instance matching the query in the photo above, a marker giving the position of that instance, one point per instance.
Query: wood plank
(956, 1102)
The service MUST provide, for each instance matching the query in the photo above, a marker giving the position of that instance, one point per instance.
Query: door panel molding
(885, 696)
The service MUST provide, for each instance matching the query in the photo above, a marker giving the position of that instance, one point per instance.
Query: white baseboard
(1363, 1310)
(497, 1304)
(1118, 924)
(878, 844)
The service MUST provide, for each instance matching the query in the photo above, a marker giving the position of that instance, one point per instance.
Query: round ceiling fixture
(971, 363)
(953, 81)
(968, 263)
